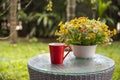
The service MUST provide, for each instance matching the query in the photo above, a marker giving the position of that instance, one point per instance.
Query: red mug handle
(67, 52)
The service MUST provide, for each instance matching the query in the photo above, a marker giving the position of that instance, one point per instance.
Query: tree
(71, 5)
(13, 19)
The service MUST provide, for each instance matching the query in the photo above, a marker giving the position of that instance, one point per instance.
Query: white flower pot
(84, 51)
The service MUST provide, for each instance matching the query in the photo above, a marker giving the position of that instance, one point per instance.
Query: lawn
(13, 59)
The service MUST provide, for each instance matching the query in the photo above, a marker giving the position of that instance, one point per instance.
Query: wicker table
(97, 68)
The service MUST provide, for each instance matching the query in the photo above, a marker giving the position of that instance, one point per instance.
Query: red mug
(57, 52)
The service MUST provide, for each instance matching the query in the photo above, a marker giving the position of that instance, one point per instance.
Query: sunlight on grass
(13, 59)
(113, 52)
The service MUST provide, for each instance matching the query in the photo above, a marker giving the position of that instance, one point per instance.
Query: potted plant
(84, 35)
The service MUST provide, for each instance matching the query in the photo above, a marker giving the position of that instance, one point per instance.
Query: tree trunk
(13, 19)
(71, 5)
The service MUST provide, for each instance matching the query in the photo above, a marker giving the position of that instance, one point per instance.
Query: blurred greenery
(105, 10)
(38, 22)
(13, 59)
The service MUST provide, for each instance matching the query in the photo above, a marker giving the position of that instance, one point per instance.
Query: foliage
(26, 17)
(13, 60)
(106, 10)
(83, 31)
(29, 8)
(4, 8)
(28, 22)
(40, 24)
(46, 22)
(102, 7)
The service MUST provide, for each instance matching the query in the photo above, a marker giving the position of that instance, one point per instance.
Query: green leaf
(50, 23)
(110, 20)
(102, 6)
(39, 20)
(45, 20)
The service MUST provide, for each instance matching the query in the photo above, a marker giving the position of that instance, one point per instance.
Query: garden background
(37, 20)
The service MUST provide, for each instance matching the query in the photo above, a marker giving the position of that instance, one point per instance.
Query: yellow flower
(62, 27)
(76, 26)
(60, 24)
(114, 32)
(100, 29)
(105, 26)
(66, 31)
(106, 29)
(72, 21)
(82, 19)
(56, 32)
(106, 34)
(84, 30)
(91, 35)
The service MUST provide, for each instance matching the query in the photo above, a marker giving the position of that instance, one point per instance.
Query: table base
(103, 75)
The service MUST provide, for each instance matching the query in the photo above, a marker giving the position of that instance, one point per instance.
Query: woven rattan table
(97, 68)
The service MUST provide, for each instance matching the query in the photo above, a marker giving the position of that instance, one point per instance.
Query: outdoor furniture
(98, 68)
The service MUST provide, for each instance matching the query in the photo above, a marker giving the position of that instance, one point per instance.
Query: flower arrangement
(83, 31)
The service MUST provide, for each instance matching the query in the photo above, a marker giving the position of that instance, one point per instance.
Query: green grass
(113, 52)
(13, 59)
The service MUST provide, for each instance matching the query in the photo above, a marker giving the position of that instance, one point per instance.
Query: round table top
(71, 64)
